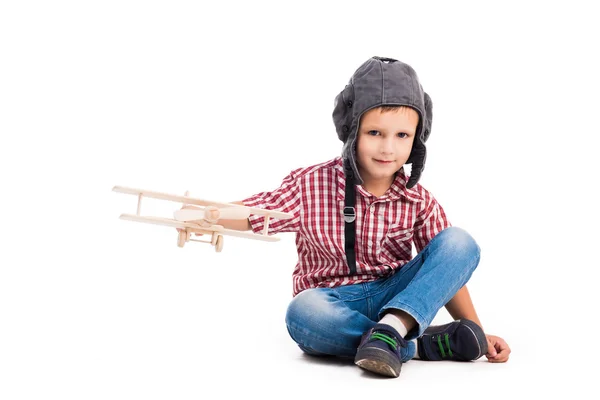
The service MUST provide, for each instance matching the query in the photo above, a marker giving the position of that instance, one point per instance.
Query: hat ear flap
(428, 116)
(342, 112)
(418, 155)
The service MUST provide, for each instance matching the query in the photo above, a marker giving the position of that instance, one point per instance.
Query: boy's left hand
(498, 349)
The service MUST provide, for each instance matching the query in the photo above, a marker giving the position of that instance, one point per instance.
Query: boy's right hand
(211, 216)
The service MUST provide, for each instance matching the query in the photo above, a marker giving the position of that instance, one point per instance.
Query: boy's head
(383, 82)
(384, 141)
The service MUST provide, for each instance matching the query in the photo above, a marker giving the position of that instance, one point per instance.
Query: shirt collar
(396, 191)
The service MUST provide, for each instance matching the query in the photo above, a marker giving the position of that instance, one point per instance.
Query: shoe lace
(390, 340)
(447, 342)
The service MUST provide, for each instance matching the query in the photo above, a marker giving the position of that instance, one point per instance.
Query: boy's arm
(236, 224)
(461, 306)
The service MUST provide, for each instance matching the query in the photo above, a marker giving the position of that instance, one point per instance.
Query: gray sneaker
(379, 351)
(461, 340)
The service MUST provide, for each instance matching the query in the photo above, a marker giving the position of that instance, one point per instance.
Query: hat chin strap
(350, 218)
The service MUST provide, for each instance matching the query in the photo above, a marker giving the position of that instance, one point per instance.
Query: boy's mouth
(382, 161)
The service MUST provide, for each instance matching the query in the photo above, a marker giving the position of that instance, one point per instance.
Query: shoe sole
(377, 361)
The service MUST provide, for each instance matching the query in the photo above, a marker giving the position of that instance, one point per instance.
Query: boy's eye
(376, 133)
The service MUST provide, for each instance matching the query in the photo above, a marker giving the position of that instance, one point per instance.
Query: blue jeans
(331, 321)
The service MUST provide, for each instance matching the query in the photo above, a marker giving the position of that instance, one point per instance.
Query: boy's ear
(342, 112)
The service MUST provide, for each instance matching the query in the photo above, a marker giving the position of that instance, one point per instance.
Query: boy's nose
(387, 146)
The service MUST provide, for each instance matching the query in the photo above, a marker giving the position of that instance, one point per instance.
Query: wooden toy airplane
(188, 219)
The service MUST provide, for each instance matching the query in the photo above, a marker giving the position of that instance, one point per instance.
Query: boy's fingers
(503, 355)
(491, 348)
(502, 346)
(498, 359)
(212, 214)
(498, 350)
(504, 351)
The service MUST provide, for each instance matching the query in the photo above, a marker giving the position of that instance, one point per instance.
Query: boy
(357, 292)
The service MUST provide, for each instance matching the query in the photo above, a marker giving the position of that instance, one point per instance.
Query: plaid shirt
(385, 226)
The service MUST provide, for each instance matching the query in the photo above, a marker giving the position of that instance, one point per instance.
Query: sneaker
(461, 340)
(379, 351)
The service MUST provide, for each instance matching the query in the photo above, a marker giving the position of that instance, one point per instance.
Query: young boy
(357, 290)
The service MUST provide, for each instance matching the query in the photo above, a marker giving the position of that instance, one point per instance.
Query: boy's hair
(389, 84)
(388, 108)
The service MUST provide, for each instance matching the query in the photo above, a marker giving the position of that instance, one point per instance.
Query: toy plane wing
(199, 202)
(195, 228)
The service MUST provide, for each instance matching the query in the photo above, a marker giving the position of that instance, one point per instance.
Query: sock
(417, 349)
(395, 323)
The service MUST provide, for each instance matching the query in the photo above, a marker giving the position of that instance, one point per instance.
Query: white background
(224, 101)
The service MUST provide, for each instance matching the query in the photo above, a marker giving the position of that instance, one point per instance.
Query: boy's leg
(415, 293)
(331, 321)
(431, 279)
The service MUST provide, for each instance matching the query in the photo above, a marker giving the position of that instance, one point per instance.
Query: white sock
(416, 349)
(395, 323)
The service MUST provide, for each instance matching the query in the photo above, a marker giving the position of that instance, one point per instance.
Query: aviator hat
(382, 81)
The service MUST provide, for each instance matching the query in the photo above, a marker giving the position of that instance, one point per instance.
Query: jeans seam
(368, 301)
(339, 297)
(386, 285)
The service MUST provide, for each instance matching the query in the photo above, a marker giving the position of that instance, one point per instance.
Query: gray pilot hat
(382, 81)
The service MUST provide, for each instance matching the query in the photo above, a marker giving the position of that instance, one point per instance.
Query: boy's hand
(211, 216)
(498, 349)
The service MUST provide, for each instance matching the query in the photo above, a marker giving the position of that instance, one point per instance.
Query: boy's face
(384, 142)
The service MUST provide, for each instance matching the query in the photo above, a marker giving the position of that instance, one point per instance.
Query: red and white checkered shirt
(385, 226)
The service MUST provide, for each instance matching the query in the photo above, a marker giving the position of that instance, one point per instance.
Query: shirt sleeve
(430, 221)
(286, 198)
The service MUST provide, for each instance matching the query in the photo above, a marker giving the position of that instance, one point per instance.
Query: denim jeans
(331, 321)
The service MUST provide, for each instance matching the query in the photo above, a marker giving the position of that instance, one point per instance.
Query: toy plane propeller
(187, 219)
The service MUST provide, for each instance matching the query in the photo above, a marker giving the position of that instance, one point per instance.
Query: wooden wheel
(219, 245)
